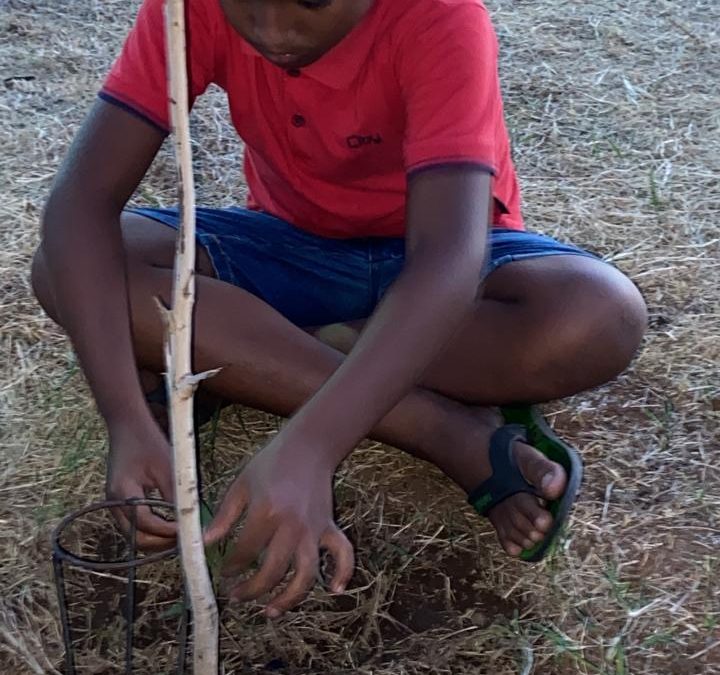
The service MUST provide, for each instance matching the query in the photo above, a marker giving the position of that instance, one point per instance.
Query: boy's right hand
(140, 461)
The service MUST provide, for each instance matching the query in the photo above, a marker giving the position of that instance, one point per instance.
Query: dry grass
(614, 109)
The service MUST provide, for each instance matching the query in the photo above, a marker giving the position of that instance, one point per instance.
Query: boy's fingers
(251, 542)
(143, 540)
(166, 485)
(152, 544)
(273, 570)
(306, 569)
(146, 521)
(150, 523)
(230, 509)
(343, 555)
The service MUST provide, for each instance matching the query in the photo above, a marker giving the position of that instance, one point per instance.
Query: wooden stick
(180, 380)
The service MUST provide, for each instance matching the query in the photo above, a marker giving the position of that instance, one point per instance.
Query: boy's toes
(515, 529)
(530, 516)
(543, 521)
(514, 541)
(521, 521)
(547, 476)
(553, 482)
(538, 518)
(537, 536)
(511, 548)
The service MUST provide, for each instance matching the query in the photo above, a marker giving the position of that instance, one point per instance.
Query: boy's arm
(447, 220)
(287, 488)
(83, 253)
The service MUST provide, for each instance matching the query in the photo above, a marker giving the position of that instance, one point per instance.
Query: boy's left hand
(286, 493)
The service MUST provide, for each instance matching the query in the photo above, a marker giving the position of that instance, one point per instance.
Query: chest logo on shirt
(358, 141)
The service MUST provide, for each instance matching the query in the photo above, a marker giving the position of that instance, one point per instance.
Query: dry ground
(614, 109)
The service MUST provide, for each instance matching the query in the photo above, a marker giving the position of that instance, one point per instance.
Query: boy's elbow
(55, 217)
(50, 217)
(55, 210)
(74, 210)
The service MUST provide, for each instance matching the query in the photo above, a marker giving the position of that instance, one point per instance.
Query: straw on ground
(614, 112)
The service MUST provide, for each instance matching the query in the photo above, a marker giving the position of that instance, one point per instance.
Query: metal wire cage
(64, 559)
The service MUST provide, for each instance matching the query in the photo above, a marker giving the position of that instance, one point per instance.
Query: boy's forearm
(448, 213)
(85, 260)
(417, 318)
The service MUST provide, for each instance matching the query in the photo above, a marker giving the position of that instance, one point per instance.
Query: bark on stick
(180, 380)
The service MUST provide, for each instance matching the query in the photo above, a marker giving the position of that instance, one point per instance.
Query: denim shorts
(313, 280)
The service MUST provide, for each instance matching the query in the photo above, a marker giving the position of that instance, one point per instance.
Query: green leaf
(215, 553)
(175, 610)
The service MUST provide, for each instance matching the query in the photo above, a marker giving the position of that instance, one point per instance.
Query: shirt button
(298, 121)
(293, 72)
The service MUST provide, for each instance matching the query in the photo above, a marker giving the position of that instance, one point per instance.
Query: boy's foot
(521, 521)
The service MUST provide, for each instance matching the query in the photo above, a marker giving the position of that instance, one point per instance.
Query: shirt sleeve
(448, 75)
(138, 80)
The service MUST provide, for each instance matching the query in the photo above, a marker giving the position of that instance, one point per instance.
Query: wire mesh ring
(62, 553)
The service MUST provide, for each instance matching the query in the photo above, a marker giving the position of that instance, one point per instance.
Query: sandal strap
(506, 479)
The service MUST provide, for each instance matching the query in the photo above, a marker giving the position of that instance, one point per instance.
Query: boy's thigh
(152, 242)
(559, 290)
(555, 280)
(546, 327)
(523, 263)
(310, 280)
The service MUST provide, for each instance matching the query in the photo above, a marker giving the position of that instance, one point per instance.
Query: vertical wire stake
(130, 596)
(183, 634)
(64, 619)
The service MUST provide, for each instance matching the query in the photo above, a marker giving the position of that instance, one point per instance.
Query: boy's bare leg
(545, 328)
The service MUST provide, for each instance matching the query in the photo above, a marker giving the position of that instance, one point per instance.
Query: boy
(378, 166)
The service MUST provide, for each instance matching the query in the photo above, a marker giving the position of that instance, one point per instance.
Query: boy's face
(294, 33)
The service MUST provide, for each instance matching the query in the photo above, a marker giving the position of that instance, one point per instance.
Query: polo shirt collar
(341, 65)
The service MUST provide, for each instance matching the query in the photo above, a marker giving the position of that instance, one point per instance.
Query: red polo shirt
(329, 148)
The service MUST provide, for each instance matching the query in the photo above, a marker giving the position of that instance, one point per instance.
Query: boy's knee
(592, 338)
(40, 282)
(613, 320)
(634, 313)
(621, 318)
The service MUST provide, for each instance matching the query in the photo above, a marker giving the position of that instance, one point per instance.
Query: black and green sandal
(526, 423)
